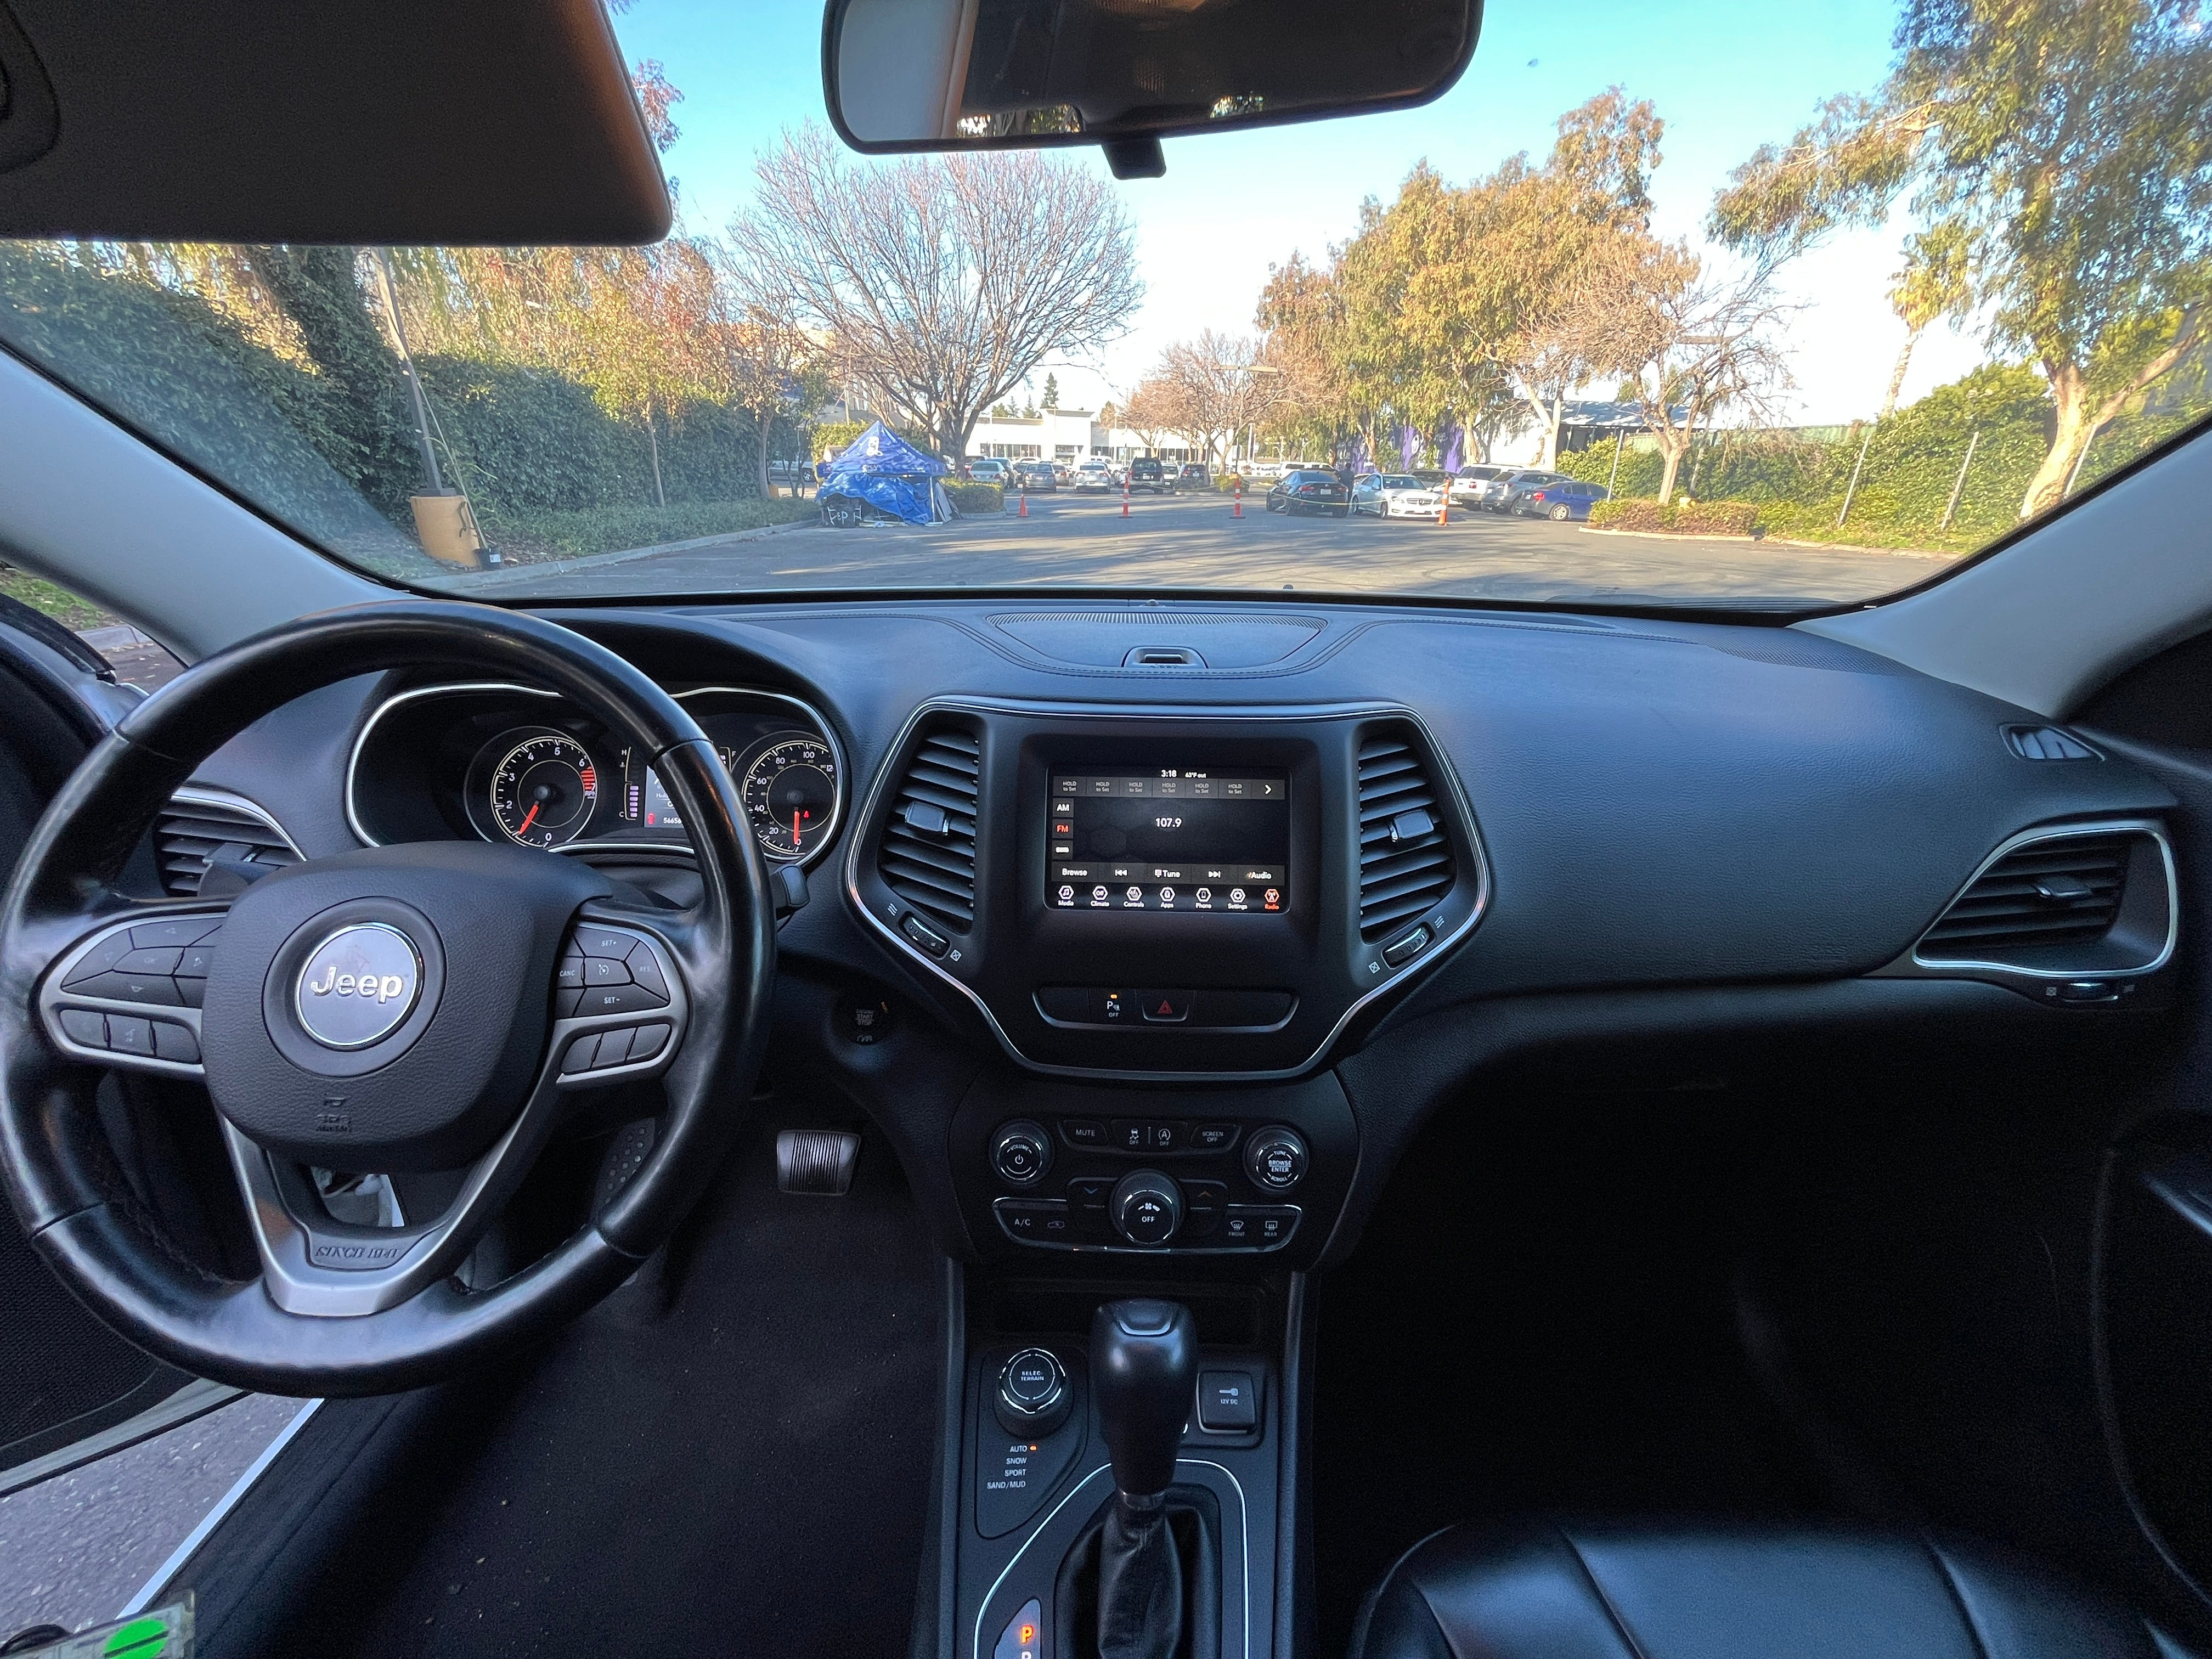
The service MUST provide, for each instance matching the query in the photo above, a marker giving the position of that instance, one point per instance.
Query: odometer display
(790, 794)
(543, 789)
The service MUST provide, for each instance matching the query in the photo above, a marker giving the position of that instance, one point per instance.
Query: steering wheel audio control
(1021, 1153)
(1146, 1208)
(1276, 1158)
(1033, 1398)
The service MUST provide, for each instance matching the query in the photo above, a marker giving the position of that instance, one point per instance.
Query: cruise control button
(599, 970)
(174, 1041)
(619, 1000)
(127, 1036)
(564, 1003)
(569, 972)
(645, 968)
(132, 987)
(603, 942)
(84, 1026)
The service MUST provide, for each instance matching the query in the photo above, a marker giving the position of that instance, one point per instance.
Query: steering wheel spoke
(128, 994)
(619, 1004)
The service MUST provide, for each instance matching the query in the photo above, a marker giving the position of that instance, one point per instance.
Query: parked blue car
(1562, 498)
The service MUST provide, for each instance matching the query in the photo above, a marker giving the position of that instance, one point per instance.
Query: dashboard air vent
(1405, 854)
(928, 852)
(197, 829)
(2047, 742)
(2064, 890)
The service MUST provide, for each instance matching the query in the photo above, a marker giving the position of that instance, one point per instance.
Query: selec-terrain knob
(1033, 1396)
(1276, 1158)
(1021, 1153)
(1146, 1208)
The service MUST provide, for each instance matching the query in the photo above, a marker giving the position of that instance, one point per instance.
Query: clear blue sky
(1726, 76)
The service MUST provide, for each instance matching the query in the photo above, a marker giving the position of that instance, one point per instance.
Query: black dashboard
(1146, 914)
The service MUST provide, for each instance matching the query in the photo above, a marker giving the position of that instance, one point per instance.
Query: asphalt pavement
(1201, 542)
(75, 1549)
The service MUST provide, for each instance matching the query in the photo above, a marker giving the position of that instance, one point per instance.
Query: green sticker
(141, 1638)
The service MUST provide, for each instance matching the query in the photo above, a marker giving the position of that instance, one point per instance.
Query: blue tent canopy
(883, 470)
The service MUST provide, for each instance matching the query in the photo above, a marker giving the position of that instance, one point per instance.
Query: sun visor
(504, 122)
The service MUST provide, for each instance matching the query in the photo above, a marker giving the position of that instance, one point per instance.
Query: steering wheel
(432, 1006)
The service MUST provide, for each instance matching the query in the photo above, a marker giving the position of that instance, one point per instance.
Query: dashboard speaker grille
(1405, 854)
(192, 832)
(2065, 890)
(928, 852)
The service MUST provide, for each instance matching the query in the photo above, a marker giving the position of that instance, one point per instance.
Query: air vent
(2047, 742)
(1405, 854)
(2064, 890)
(928, 852)
(197, 828)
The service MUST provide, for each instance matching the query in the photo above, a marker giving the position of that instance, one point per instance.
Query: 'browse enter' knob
(1146, 1208)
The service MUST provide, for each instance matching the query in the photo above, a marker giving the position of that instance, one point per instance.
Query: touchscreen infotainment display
(1168, 838)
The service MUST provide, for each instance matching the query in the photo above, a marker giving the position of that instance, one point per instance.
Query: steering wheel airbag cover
(434, 1092)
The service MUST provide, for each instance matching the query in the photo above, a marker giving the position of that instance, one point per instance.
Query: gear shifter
(1143, 1370)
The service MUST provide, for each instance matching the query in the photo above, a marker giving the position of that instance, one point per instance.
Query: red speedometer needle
(526, 816)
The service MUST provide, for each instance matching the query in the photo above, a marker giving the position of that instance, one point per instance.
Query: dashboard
(1162, 927)
(510, 763)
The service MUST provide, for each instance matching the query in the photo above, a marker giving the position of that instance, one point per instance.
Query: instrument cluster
(507, 762)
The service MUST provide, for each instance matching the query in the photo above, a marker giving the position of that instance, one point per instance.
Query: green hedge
(971, 497)
(1691, 519)
(533, 537)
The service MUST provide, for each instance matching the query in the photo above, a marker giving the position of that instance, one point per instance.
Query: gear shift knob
(1143, 1373)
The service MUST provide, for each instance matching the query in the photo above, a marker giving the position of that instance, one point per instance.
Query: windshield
(1819, 304)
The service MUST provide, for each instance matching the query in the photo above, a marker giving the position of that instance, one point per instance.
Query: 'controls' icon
(1136, 896)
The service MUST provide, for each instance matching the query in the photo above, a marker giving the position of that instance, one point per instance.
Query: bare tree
(1154, 411)
(1573, 335)
(1694, 348)
(941, 282)
(1220, 384)
(773, 363)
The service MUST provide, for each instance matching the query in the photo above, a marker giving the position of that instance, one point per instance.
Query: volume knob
(1146, 1208)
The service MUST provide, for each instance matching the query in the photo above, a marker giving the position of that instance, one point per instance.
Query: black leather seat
(1574, 1591)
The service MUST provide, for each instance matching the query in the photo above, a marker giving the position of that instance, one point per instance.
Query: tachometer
(543, 790)
(790, 793)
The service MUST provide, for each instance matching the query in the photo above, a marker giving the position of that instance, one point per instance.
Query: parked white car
(1094, 474)
(1396, 495)
(1479, 485)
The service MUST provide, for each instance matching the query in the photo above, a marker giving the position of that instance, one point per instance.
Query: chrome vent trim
(2123, 922)
(927, 855)
(1405, 850)
(199, 824)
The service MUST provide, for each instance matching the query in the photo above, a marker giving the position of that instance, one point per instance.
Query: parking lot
(1200, 542)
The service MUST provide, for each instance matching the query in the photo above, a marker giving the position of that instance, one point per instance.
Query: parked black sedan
(1311, 490)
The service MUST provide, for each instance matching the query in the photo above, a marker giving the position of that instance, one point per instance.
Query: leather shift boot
(1145, 1586)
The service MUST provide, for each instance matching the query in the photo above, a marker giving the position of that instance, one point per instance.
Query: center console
(1164, 894)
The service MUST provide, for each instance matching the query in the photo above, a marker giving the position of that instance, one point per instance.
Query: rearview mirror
(908, 75)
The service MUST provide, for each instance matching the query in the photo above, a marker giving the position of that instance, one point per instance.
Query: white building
(1068, 434)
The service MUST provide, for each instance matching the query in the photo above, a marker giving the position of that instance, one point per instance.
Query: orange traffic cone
(1125, 497)
(1024, 512)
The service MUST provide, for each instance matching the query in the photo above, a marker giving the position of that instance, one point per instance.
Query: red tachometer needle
(524, 826)
(794, 827)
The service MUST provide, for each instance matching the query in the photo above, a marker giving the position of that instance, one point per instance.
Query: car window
(1801, 274)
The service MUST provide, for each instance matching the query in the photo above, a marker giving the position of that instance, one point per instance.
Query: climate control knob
(1276, 1158)
(1021, 1153)
(1146, 1208)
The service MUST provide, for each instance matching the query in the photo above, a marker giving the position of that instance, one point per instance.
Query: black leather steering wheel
(429, 1007)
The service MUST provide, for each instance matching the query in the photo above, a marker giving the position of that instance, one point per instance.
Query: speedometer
(543, 790)
(790, 793)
